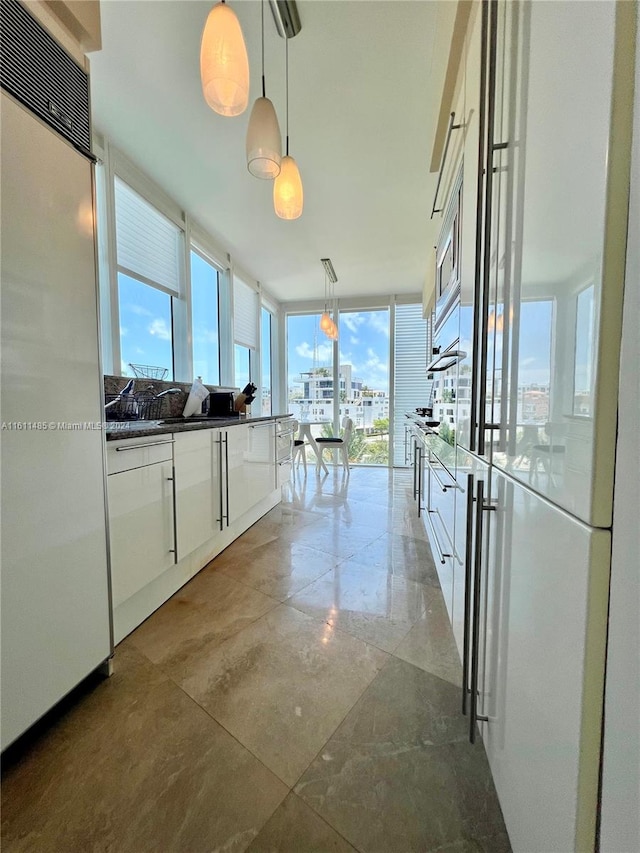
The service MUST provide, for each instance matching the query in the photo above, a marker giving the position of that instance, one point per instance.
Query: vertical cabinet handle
(220, 475)
(226, 479)
(468, 574)
(474, 716)
(420, 477)
(174, 503)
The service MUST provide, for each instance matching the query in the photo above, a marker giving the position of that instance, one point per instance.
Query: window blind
(245, 314)
(410, 373)
(148, 244)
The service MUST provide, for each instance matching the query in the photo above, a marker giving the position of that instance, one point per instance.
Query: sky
(363, 342)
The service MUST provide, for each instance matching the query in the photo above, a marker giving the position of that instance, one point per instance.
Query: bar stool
(299, 449)
(342, 443)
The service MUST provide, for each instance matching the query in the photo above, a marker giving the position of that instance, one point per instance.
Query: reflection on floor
(300, 694)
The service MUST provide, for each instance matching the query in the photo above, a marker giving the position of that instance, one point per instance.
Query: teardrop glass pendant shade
(325, 322)
(264, 143)
(288, 197)
(224, 65)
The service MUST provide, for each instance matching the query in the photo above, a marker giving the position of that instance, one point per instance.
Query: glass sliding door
(310, 392)
(364, 383)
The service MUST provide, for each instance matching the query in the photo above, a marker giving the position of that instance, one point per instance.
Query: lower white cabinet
(141, 520)
(198, 485)
(249, 464)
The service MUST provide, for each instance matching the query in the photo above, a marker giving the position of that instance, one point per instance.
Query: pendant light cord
(286, 54)
(263, 86)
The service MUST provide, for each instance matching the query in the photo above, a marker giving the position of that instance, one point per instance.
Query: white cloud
(380, 323)
(354, 340)
(138, 309)
(352, 321)
(322, 352)
(159, 329)
(123, 331)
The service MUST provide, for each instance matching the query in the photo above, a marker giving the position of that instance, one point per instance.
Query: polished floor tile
(430, 643)
(403, 555)
(282, 686)
(208, 610)
(369, 603)
(279, 568)
(295, 828)
(399, 773)
(136, 766)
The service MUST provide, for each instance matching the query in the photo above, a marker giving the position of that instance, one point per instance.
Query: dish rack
(148, 371)
(132, 407)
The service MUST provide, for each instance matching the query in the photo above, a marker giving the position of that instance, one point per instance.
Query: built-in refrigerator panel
(55, 599)
(563, 206)
(545, 607)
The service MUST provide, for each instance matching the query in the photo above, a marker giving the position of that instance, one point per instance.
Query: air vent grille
(40, 74)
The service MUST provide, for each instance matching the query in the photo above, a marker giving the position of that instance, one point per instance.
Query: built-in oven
(446, 352)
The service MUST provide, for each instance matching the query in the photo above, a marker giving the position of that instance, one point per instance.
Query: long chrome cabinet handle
(142, 446)
(486, 259)
(175, 513)
(220, 474)
(482, 109)
(468, 574)
(226, 479)
(415, 466)
(433, 473)
(474, 717)
(420, 478)
(434, 538)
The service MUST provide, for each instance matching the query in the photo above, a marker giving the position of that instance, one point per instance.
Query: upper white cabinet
(558, 246)
(198, 485)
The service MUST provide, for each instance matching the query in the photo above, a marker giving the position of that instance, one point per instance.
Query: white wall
(620, 828)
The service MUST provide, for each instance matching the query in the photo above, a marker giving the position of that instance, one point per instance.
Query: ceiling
(365, 81)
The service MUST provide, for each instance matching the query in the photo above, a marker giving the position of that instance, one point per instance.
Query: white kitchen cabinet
(249, 463)
(141, 518)
(198, 486)
(541, 684)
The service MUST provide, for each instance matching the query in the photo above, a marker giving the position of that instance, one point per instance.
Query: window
(148, 249)
(265, 350)
(242, 366)
(411, 386)
(204, 319)
(245, 329)
(145, 326)
(583, 370)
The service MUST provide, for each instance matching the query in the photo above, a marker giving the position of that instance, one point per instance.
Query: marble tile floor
(301, 694)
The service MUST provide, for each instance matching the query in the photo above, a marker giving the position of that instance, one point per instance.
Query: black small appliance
(221, 404)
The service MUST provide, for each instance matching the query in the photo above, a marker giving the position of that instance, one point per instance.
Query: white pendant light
(264, 143)
(224, 65)
(288, 197)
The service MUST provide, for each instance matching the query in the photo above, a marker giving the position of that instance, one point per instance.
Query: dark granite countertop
(117, 430)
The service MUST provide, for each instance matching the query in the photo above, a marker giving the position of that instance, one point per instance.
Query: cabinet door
(261, 459)
(238, 486)
(198, 487)
(543, 690)
(140, 527)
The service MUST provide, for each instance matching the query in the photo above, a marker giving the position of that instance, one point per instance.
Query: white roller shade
(148, 244)
(245, 314)
(411, 388)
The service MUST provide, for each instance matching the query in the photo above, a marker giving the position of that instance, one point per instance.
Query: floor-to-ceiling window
(364, 383)
(310, 392)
